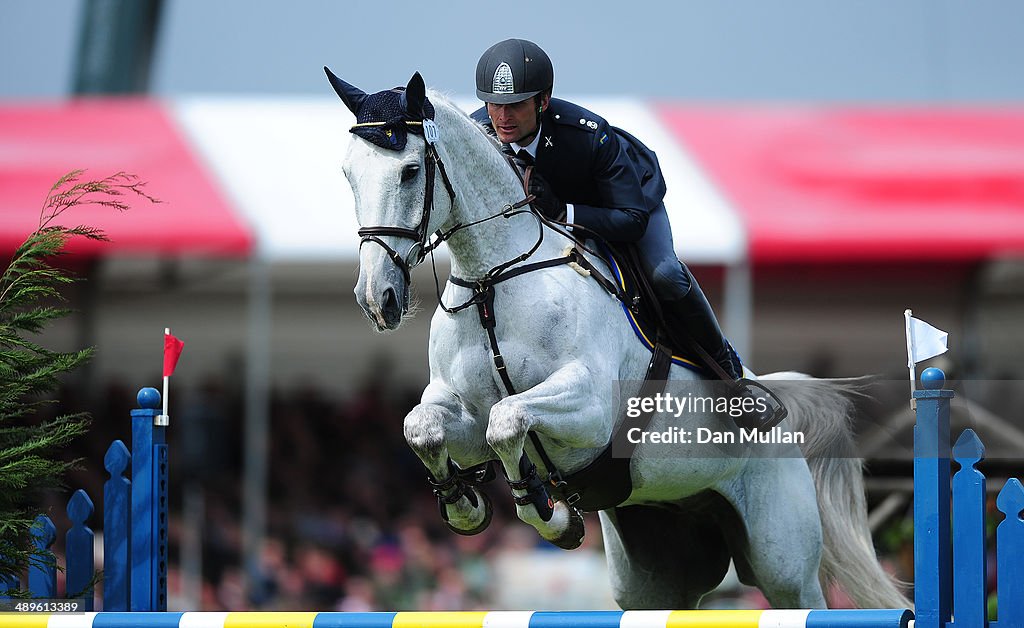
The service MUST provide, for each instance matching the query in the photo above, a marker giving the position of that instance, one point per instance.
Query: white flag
(923, 340)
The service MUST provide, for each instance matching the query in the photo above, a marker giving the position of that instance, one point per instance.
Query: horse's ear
(350, 94)
(415, 95)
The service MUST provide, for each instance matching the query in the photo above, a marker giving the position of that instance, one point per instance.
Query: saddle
(643, 311)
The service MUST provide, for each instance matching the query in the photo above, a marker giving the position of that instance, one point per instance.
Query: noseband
(419, 234)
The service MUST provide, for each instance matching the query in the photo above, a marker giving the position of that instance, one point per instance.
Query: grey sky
(713, 50)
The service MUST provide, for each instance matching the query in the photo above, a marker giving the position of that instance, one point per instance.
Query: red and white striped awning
(867, 184)
(41, 142)
(766, 184)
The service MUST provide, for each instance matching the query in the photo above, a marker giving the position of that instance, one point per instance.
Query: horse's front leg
(440, 423)
(566, 409)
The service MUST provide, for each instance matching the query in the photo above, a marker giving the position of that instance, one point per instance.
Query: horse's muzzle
(383, 302)
(391, 308)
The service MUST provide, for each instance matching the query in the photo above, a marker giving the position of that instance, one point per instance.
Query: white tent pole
(738, 308)
(257, 418)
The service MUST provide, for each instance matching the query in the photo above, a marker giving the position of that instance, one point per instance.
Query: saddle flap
(606, 482)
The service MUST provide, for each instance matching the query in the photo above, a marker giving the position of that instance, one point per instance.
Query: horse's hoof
(574, 532)
(488, 512)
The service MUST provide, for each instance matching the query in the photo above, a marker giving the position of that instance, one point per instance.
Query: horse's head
(399, 201)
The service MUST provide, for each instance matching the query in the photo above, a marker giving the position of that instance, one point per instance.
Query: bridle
(419, 234)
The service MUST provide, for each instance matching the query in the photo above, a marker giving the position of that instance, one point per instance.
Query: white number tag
(430, 132)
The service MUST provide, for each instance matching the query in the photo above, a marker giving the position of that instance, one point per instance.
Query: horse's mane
(485, 182)
(440, 98)
(442, 103)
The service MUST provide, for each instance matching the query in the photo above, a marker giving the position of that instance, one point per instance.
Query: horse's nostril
(390, 302)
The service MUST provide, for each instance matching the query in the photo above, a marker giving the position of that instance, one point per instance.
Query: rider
(601, 178)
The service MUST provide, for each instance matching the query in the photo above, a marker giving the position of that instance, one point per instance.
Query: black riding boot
(693, 314)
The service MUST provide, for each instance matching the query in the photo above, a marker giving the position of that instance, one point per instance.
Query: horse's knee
(424, 429)
(506, 427)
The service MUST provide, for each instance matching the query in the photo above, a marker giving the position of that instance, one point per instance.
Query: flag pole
(166, 418)
(910, 359)
(172, 351)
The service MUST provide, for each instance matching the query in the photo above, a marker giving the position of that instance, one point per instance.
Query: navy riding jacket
(613, 181)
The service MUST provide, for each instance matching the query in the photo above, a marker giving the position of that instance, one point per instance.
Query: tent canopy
(41, 142)
(783, 184)
(280, 162)
(864, 184)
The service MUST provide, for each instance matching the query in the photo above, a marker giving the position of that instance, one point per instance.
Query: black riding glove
(546, 201)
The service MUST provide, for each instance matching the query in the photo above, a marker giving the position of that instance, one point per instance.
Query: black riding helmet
(511, 71)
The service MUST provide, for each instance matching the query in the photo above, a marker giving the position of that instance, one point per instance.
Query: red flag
(172, 351)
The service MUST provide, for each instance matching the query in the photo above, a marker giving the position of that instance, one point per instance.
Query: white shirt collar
(532, 148)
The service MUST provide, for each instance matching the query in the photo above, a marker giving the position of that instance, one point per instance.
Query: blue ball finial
(933, 378)
(149, 398)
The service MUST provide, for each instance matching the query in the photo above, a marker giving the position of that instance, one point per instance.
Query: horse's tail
(823, 410)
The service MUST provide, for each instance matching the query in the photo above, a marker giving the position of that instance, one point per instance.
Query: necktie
(525, 157)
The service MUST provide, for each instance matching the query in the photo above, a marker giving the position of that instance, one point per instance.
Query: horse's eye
(409, 172)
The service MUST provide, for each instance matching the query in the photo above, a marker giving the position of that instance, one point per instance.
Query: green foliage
(29, 372)
(896, 535)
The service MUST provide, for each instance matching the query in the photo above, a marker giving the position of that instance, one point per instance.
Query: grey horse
(789, 523)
